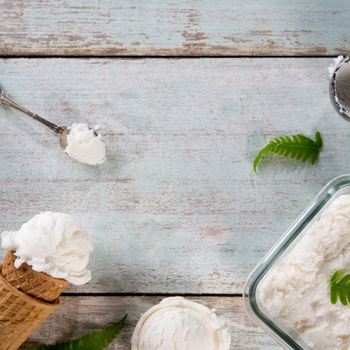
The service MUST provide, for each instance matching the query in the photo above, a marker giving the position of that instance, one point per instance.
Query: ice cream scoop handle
(7, 101)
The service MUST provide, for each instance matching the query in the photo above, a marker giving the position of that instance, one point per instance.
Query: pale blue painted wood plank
(183, 27)
(177, 208)
(79, 315)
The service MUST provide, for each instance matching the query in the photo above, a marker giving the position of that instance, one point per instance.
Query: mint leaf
(296, 146)
(98, 340)
(340, 287)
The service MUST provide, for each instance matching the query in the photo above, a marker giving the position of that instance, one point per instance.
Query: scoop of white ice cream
(177, 323)
(84, 145)
(53, 243)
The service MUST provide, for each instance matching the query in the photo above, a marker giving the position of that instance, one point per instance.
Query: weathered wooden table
(177, 209)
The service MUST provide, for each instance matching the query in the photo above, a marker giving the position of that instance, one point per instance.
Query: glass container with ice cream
(289, 292)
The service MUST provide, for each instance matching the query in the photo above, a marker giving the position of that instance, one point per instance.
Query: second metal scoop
(61, 131)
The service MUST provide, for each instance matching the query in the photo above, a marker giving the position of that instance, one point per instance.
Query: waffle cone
(38, 285)
(20, 315)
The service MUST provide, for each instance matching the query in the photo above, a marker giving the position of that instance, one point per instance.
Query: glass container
(286, 337)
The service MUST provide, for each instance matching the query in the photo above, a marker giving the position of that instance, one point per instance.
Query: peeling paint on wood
(183, 27)
(177, 207)
(80, 315)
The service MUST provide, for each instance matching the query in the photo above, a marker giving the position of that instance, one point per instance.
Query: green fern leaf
(340, 287)
(297, 147)
(98, 340)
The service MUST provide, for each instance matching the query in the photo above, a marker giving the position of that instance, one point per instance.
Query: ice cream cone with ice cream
(43, 257)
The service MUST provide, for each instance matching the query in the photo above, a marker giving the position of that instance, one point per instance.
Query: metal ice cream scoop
(61, 131)
(339, 86)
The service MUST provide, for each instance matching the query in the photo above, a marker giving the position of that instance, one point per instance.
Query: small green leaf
(340, 287)
(98, 340)
(297, 147)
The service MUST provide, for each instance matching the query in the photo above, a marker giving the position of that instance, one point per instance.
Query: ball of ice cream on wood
(46, 254)
(85, 145)
(178, 323)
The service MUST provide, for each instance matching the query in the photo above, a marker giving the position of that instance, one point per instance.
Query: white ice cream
(84, 146)
(180, 324)
(53, 243)
(295, 292)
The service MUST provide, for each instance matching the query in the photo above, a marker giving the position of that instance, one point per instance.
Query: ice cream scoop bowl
(339, 86)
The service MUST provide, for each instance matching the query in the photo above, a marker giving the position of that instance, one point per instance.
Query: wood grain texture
(177, 207)
(166, 27)
(80, 315)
